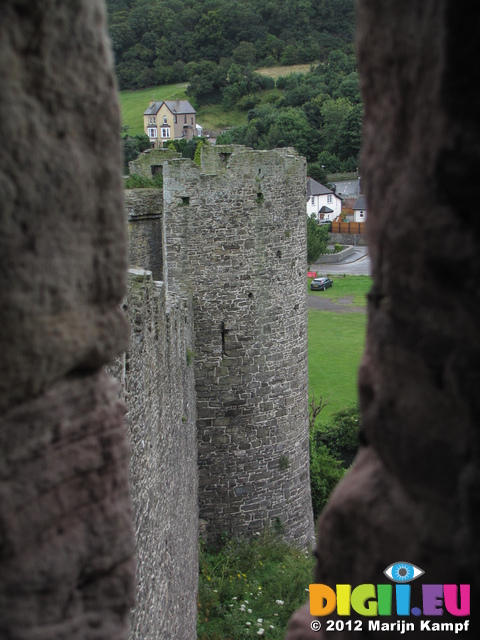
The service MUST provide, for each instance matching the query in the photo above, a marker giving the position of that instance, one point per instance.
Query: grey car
(320, 284)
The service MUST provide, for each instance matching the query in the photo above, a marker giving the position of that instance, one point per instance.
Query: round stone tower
(235, 235)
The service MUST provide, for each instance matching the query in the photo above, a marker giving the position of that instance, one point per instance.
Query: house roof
(153, 109)
(314, 188)
(175, 106)
(360, 203)
(180, 106)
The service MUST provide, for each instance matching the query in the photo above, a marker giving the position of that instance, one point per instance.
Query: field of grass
(277, 72)
(335, 346)
(354, 288)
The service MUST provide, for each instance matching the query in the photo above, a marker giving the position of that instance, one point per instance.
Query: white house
(360, 210)
(322, 202)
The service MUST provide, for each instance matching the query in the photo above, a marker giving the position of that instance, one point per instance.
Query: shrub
(248, 102)
(340, 435)
(333, 447)
(317, 239)
(325, 474)
(135, 181)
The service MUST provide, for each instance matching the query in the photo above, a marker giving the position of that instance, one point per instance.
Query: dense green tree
(133, 146)
(330, 162)
(280, 30)
(317, 171)
(245, 54)
(349, 133)
(207, 80)
(349, 88)
(317, 239)
(334, 113)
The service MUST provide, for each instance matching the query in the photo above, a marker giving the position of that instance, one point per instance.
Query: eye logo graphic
(387, 599)
(403, 572)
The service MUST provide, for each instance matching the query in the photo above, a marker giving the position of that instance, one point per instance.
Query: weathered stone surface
(66, 550)
(235, 236)
(144, 208)
(150, 162)
(413, 492)
(62, 231)
(65, 521)
(158, 386)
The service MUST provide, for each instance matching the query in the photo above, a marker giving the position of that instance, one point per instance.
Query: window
(153, 119)
(150, 120)
(165, 132)
(152, 132)
(192, 120)
(329, 199)
(175, 119)
(164, 119)
(185, 119)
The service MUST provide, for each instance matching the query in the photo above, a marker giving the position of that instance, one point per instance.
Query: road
(356, 265)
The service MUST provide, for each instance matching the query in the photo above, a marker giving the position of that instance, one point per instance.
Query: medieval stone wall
(144, 208)
(158, 388)
(150, 162)
(236, 239)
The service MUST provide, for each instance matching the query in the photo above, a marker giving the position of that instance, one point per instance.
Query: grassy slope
(134, 103)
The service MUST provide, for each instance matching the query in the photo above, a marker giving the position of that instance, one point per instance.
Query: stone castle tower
(215, 378)
(235, 237)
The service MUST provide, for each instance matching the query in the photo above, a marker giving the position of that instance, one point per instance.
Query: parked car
(320, 284)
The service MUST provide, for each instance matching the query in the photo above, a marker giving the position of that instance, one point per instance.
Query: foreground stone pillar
(414, 490)
(66, 540)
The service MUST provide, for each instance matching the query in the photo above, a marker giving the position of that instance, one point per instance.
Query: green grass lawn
(351, 287)
(335, 346)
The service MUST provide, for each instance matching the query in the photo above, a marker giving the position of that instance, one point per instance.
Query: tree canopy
(153, 40)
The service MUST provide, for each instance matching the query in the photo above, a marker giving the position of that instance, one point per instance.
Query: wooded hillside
(154, 40)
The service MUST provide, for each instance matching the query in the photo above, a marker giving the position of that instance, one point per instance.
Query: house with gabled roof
(322, 202)
(169, 120)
